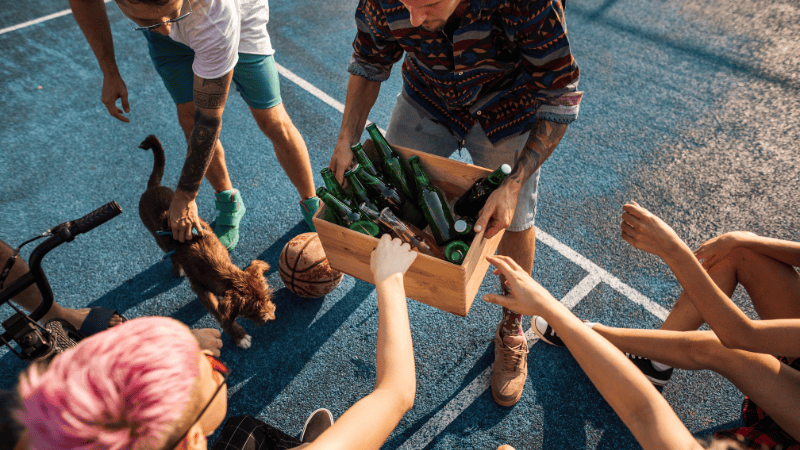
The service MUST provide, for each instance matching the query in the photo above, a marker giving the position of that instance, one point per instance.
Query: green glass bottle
(360, 194)
(471, 203)
(386, 195)
(367, 227)
(344, 214)
(364, 161)
(396, 227)
(335, 188)
(395, 167)
(465, 229)
(433, 204)
(456, 251)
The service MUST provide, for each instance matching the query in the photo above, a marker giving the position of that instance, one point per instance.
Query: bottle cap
(461, 226)
(456, 251)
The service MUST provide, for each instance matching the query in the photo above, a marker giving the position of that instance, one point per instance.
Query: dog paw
(245, 342)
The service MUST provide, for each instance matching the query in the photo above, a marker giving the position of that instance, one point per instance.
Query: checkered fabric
(249, 433)
(760, 431)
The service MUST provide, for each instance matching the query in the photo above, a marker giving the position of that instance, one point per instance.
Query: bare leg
(521, 247)
(773, 287)
(31, 298)
(290, 148)
(775, 387)
(217, 173)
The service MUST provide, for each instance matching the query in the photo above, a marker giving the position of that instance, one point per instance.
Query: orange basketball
(304, 267)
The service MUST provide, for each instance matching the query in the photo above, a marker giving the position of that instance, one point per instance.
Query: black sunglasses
(222, 369)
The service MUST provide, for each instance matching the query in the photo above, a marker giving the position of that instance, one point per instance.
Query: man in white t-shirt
(198, 47)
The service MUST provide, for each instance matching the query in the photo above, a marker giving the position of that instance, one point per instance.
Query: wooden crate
(429, 280)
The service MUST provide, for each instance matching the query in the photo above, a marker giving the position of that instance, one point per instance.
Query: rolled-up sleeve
(375, 48)
(547, 59)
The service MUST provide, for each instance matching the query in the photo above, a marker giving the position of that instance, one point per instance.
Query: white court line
(39, 20)
(467, 396)
(593, 269)
(581, 290)
(436, 424)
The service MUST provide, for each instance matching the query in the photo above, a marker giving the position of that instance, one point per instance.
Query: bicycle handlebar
(64, 232)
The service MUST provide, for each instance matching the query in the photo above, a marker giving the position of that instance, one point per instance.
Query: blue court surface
(690, 108)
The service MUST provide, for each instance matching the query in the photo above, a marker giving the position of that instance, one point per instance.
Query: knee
(186, 121)
(276, 126)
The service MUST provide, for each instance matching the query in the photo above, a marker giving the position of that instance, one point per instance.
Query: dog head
(250, 296)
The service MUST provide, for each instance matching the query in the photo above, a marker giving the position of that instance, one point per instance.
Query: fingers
(504, 263)
(501, 300)
(116, 113)
(483, 219)
(125, 105)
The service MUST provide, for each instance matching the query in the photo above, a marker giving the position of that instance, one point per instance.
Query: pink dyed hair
(124, 388)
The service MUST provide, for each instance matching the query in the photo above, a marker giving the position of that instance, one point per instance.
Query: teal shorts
(255, 76)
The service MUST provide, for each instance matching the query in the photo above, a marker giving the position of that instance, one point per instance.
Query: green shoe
(309, 207)
(231, 210)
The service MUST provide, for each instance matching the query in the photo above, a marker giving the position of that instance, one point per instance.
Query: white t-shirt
(218, 30)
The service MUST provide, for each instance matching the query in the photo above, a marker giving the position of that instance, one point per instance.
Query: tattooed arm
(499, 209)
(209, 102)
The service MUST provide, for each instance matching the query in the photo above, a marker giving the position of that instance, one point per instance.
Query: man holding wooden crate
(494, 76)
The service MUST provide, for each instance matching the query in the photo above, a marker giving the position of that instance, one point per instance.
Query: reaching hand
(183, 217)
(645, 231)
(114, 88)
(716, 249)
(341, 160)
(209, 339)
(391, 256)
(498, 212)
(527, 295)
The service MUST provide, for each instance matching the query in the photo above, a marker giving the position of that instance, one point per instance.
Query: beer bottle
(398, 228)
(360, 194)
(344, 215)
(456, 251)
(433, 204)
(471, 203)
(364, 161)
(335, 188)
(386, 195)
(465, 228)
(395, 167)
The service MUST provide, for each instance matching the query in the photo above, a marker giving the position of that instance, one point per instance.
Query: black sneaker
(319, 421)
(545, 332)
(657, 377)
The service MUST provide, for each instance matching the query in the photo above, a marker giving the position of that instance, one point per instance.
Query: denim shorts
(409, 128)
(255, 76)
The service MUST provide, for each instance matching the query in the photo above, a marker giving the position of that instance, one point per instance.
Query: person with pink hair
(146, 384)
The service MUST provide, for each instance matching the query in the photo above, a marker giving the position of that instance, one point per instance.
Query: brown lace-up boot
(510, 367)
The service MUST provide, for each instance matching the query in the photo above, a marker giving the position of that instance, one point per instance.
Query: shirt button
(479, 113)
(461, 73)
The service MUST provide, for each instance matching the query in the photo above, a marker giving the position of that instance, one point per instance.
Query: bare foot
(76, 316)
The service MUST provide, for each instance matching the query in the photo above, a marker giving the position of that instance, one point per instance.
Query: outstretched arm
(647, 232)
(501, 204)
(714, 250)
(93, 21)
(361, 96)
(209, 102)
(643, 410)
(368, 423)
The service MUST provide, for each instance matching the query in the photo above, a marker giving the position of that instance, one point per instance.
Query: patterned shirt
(506, 64)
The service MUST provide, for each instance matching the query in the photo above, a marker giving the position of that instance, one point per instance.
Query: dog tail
(152, 143)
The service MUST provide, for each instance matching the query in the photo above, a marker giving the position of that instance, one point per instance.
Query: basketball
(304, 267)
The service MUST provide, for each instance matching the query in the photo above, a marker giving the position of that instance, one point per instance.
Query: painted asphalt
(691, 109)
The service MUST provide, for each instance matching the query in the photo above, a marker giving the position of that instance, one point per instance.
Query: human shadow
(283, 347)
